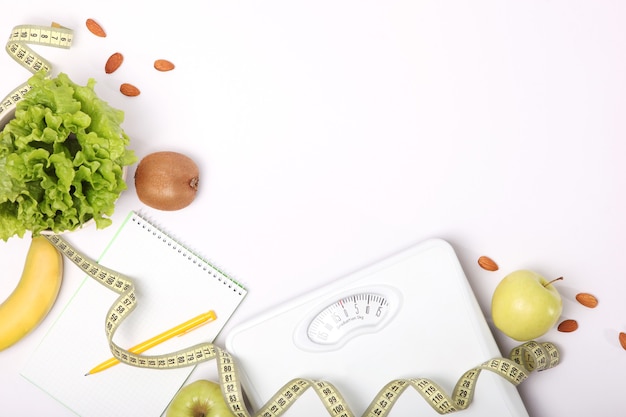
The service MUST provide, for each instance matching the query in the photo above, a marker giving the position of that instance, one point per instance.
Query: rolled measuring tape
(524, 359)
(18, 48)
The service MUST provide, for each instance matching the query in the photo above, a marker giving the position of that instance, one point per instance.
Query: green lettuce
(62, 159)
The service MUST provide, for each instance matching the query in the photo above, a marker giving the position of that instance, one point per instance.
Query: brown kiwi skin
(167, 180)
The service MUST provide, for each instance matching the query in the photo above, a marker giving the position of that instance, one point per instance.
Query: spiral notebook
(173, 284)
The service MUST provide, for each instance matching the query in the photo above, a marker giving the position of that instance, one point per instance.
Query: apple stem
(554, 280)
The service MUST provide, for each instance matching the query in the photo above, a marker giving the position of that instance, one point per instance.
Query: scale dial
(346, 316)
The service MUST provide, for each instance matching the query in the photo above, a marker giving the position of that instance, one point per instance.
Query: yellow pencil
(168, 334)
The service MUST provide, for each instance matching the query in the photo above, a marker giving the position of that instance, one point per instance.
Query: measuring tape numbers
(524, 359)
(18, 48)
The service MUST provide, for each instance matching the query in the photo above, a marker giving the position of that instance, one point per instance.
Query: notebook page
(172, 286)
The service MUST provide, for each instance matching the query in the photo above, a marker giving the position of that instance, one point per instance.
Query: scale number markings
(355, 313)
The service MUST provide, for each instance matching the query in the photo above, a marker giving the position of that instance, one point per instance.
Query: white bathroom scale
(412, 315)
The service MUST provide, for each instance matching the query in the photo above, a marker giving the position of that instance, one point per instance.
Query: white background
(331, 134)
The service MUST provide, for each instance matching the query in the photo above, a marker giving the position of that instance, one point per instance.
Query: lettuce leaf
(62, 159)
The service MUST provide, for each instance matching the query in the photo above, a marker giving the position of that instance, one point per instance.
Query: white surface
(434, 310)
(332, 134)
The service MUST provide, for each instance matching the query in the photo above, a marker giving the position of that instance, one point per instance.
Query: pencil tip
(87, 374)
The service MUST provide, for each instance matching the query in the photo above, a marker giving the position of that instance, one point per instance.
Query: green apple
(201, 398)
(525, 305)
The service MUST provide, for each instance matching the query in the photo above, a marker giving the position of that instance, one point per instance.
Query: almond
(567, 326)
(129, 90)
(95, 28)
(622, 339)
(113, 63)
(163, 65)
(487, 263)
(587, 300)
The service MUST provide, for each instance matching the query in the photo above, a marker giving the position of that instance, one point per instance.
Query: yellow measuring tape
(17, 47)
(522, 360)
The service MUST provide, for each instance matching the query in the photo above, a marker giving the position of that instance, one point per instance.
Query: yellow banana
(35, 293)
